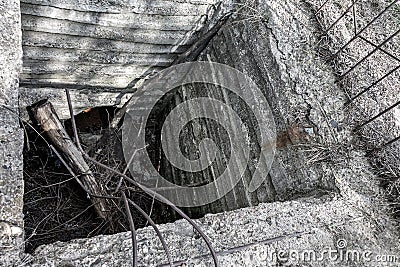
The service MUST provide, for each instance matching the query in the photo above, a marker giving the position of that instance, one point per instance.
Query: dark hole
(56, 208)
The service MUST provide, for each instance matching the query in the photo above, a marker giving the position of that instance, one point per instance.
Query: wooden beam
(46, 116)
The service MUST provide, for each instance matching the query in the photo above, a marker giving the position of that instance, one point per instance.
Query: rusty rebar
(128, 213)
(162, 199)
(152, 223)
(354, 18)
(245, 246)
(71, 113)
(143, 188)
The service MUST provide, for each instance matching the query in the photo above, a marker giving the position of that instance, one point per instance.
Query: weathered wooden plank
(50, 67)
(105, 75)
(49, 25)
(112, 81)
(105, 43)
(82, 69)
(41, 39)
(154, 7)
(117, 20)
(102, 57)
(82, 99)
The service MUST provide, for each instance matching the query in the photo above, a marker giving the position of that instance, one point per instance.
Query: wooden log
(46, 116)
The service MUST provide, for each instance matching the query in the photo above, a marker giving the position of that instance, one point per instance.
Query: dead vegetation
(122, 195)
(56, 206)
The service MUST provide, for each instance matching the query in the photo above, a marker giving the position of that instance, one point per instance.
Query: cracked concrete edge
(11, 135)
(302, 225)
(324, 100)
(356, 214)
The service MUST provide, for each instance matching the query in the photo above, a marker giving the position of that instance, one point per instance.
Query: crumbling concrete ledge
(349, 221)
(11, 135)
(353, 220)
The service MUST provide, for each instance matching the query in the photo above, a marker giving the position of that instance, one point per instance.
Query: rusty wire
(386, 110)
(379, 47)
(341, 16)
(373, 84)
(321, 7)
(382, 156)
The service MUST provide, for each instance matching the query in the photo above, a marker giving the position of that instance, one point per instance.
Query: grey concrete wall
(300, 91)
(250, 236)
(279, 38)
(11, 135)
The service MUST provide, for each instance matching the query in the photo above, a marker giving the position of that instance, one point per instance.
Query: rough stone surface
(11, 136)
(371, 77)
(275, 45)
(306, 224)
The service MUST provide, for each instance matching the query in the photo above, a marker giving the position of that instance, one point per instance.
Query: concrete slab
(354, 219)
(11, 135)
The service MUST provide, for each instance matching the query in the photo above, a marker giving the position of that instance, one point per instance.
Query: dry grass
(373, 136)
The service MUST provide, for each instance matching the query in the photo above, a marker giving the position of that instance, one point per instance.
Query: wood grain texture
(58, 137)
(117, 20)
(105, 44)
(154, 7)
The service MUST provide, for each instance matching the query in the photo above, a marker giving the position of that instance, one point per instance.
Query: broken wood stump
(46, 116)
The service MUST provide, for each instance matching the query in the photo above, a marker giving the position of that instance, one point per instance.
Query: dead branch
(46, 116)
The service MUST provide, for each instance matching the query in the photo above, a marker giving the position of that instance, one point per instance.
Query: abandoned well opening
(56, 208)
